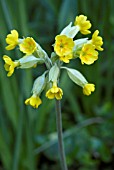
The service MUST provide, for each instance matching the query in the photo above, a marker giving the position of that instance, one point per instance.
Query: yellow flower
(28, 46)
(63, 45)
(34, 101)
(12, 40)
(88, 54)
(97, 41)
(83, 24)
(88, 88)
(9, 65)
(66, 58)
(54, 92)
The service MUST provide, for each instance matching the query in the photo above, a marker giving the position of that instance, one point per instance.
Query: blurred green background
(28, 139)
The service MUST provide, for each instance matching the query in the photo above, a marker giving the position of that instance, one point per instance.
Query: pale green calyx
(54, 73)
(76, 76)
(40, 53)
(80, 42)
(54, 57)
(29, 61)
(78, 46)
(20, 40)
(70, 31)
(39, 84)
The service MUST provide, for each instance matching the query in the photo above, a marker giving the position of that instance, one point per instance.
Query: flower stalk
(60, 136)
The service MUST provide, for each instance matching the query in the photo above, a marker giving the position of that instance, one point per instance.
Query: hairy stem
(60, 136)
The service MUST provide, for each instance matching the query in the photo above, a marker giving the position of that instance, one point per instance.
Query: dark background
(28, 139)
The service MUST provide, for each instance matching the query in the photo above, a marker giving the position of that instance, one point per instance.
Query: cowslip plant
(66, 47)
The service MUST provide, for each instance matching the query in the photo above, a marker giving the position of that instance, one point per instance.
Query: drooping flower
(88, 54)
(97, 41)
(9, 65)
(12, 40)
(66, 58)
(88, 88)
(54, 92)
(28, 46)
(63, 45)
(34, 101)
(83, 24)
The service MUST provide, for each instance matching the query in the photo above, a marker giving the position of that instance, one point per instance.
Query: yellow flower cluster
(27, 45)
(64, 45)
(88, 53)
(65, 49)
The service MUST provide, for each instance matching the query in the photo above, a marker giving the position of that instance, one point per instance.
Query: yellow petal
(63, 45)
(88, 88)
(83, 24)
(28, 46)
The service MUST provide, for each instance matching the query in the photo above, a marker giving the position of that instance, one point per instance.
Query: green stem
(60, 136)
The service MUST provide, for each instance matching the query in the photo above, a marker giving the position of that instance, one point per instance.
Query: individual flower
(63, 45)
(83, 24)
(88, 54)
(34, 101)
(9, 65)
(88, 88)
(66, 58)
(12, 40)
(54, 92)
(97, 41)
(28, 46)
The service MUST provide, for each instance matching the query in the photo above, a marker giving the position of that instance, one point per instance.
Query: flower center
(61, 45)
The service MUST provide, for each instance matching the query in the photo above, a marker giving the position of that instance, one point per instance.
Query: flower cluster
(66, 48)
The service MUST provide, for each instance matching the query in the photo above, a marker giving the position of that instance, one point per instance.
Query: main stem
(60, 135)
